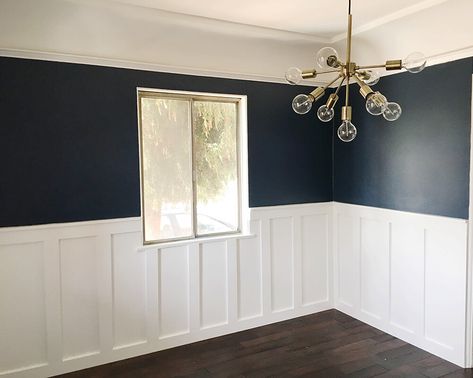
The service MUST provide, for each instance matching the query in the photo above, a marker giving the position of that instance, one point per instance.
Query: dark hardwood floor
(328, 344)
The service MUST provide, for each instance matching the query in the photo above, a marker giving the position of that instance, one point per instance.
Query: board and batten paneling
(404, 273)
(79, 297)
(75, 295)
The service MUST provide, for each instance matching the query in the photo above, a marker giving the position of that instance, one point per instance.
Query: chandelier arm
(370, 66)
(358, 80)
(340, 85)
(390, 65)
(365, 89)
(327, 72)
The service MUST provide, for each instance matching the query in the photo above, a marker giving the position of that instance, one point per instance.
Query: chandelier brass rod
(358, 80)
(340, 85)
(347, 67)
(350, 20)
(326, 72)
(372, 66)
(347, 91)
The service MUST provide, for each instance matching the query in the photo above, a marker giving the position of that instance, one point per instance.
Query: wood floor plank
(329, 344)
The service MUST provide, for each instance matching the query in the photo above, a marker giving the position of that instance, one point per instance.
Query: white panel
(213, 284)
(114, 299)
(282, 264)
(249, 278)
(80, 327)
(348, 260)
(407, 277)
(314, 259)
(375, 268)
(413, 274)
(22, 314)
(174, 291)
(129, 289)
(445, 286)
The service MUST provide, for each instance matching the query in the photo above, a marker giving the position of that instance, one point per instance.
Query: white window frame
(242, 161)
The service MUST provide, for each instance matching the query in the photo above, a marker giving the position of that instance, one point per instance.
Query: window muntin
(190, 174)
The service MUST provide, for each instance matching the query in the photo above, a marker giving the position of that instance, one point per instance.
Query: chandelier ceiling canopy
(328, 62)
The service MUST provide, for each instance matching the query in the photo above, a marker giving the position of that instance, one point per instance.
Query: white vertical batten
(469, 299)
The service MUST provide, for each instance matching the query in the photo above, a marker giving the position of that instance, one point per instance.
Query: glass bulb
(347, 131)
(302, 104)
(372, 78)
(392, 112)
(376, 104)
(414, 62)
(293, 75)
(325, 114)
(327, 58)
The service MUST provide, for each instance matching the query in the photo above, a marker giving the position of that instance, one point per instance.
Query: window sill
(205, 239)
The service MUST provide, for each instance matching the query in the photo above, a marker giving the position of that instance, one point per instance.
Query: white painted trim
(389, 275)
(434, 60)
(437, 59)
(260, 251)
(450, 56)
(91, 223)
(398, 213)
(244, 189)
(469, 298)
(206, 239)
(300, 207)
(134, 302)
(143, 66)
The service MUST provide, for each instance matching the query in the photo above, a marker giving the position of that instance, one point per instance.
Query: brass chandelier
(328, 62)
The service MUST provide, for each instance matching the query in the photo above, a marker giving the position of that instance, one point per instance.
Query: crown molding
(389, 18)
(143, 66)
(437, 59)
(466, 52)
(433, 60)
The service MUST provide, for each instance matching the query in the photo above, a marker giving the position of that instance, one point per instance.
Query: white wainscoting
(404, 273)
(82, 294)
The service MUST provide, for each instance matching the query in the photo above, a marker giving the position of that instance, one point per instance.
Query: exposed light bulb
(347, 131)
(414, 62)
(371, 78)
(327, 58)
(392, 112)
(302, 103)
(376, 104)
(293, 75)
(325, 114)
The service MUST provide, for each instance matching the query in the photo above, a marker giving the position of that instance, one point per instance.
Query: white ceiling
(260, 40)
(320, 18)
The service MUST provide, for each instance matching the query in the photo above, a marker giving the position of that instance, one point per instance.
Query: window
(190, 165)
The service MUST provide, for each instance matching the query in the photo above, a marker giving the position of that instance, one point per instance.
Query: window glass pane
(167, 168)
(216, 169)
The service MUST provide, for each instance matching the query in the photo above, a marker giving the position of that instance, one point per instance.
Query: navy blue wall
(419, 163)
(69, 151)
